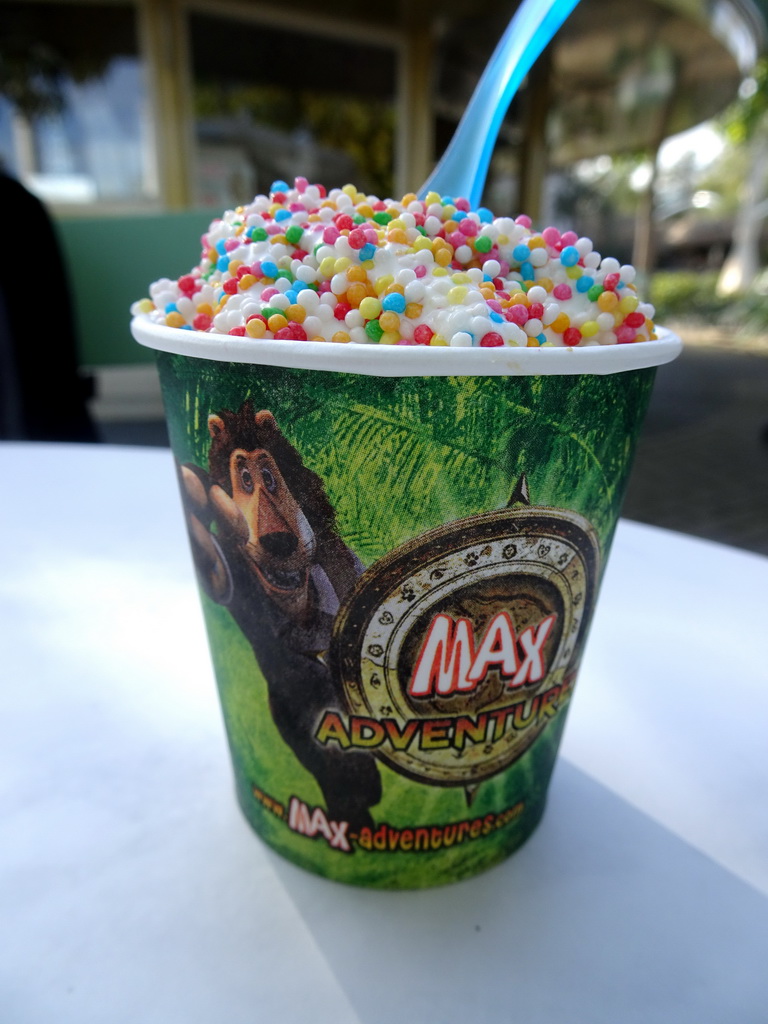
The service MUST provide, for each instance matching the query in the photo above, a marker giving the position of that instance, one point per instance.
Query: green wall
(111, 261)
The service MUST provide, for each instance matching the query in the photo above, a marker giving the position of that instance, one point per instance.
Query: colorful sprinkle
(303, 264)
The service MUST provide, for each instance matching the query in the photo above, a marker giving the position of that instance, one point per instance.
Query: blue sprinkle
(171, 308)
(221, 247)
(584, 283)
(367, 252)
(186, 327)
(222, 263)
(394, 302)
(459, 215)
(447, 200)
(521, 252)
(497, 318)
(268, 268)
(541, 338)
(292, 296)
(279, 186)
(283, 215)
(484, 214)
(569, 257)
(526, 271)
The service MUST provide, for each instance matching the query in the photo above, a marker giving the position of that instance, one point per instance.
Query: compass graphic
(529, 565)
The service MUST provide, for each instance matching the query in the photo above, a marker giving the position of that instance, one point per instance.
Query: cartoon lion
(265, 545)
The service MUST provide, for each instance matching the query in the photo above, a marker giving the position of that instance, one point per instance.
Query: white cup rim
(409, 360)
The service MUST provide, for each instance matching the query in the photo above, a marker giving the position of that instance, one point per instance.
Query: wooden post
(415, 139)
(163, 36)
(534, 152)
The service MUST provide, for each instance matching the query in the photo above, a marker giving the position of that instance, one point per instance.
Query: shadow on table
(603, 916)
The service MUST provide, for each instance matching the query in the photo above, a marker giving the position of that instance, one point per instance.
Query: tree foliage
(746, 115)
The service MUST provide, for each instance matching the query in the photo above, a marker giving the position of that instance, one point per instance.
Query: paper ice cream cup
(399, 552)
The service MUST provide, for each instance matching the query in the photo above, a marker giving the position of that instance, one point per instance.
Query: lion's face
(280, 543)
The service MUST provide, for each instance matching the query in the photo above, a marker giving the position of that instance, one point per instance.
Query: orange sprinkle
(255, 328)
(608, 301)
(356, 292)
(276, 322)
(296, 313)
(561, 323)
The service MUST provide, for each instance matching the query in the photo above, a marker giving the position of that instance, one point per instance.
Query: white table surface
(133, 892)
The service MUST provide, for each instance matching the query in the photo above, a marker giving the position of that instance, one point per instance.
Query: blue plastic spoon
(463, 167)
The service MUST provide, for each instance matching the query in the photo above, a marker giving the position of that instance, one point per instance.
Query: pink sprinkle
(523, 220)
(371, 235)
(325, 286)
(419, 270)
(503, 268)
(624, 334)
(536, 311)
(494, 305)
(468, 227)
(456, 239)
(379, 206)
(256, 269)
(551, 236)
(330, 234)
(569, 238)
(297, 208)
(273, 229)
(462, 204)
(518, 314)
(562, 292)
(301, 184)
(268, 293)
(231, 243)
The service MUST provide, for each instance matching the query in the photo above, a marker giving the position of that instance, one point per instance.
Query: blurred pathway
(702, 462)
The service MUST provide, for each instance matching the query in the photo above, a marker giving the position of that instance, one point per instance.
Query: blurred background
(126, 126)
